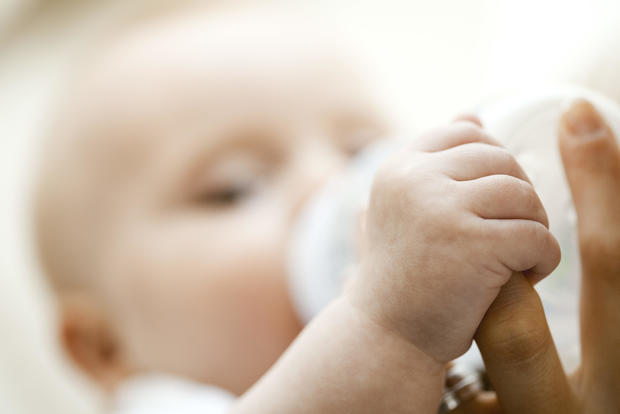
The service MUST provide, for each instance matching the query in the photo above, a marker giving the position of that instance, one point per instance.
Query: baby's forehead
(193, 69)
(219, 54)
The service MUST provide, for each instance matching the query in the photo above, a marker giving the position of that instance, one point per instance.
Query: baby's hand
(449, 220)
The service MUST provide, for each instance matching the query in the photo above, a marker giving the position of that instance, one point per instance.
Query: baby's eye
(225, 196)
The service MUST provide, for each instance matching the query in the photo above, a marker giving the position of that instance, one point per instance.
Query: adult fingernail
(582, 120)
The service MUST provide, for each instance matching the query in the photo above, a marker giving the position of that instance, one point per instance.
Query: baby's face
(208, 145)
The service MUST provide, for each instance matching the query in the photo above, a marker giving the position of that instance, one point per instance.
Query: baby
(178, 164)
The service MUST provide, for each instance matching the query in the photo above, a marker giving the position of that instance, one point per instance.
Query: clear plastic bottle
(323, 246)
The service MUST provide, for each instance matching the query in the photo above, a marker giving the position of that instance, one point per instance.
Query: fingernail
(581, 119)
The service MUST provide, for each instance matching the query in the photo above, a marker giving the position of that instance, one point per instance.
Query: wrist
(375, 328)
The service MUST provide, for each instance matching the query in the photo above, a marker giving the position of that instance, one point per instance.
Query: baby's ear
(87, 337)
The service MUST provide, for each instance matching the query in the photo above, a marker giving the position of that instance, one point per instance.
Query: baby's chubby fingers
(446, 227)
(475, 160)
(469, 117)
(462, 131)
(503, 197)
(523, 246)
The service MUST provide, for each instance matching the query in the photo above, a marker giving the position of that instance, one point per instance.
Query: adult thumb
(592, 164)
(591, 161)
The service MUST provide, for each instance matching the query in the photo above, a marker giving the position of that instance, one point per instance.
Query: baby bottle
(323, 245)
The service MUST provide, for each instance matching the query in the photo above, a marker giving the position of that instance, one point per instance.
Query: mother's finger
(519, 354)
(592, 163)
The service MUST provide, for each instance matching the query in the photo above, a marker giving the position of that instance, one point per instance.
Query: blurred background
(430, 59)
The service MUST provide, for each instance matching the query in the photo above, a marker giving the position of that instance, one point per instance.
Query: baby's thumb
(592, 165)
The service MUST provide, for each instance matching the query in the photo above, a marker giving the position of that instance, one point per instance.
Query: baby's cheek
(197, 305)
(246, 320)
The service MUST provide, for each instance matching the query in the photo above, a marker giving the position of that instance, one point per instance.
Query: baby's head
(174, 171)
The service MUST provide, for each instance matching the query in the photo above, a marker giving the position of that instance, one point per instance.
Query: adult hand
(520, 357)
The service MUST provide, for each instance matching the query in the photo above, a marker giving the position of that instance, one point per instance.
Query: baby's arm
(448, 222)
(344, 362)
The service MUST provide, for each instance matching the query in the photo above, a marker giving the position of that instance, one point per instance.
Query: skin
(514, 338)
(375, 346)
(177, 167)
(147, 263)
(443, 220)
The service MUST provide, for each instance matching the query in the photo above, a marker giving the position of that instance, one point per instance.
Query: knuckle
(540, 235)
(523, 192)
(513, 189)
(539, 241)
(520, 336)
(527, 191)
(520, 342)
(514, 185)
(599, 240)
(479, 152)
(529, 198)
(533, 232)
(469, 130)
(506, 160)
(432, 139)
(555, 253)
(491, 140)
(550, 248)
(600, 251)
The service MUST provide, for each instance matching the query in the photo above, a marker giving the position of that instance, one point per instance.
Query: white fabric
(159, 394)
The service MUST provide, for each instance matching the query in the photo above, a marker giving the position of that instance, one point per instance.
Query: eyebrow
(217, 145)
